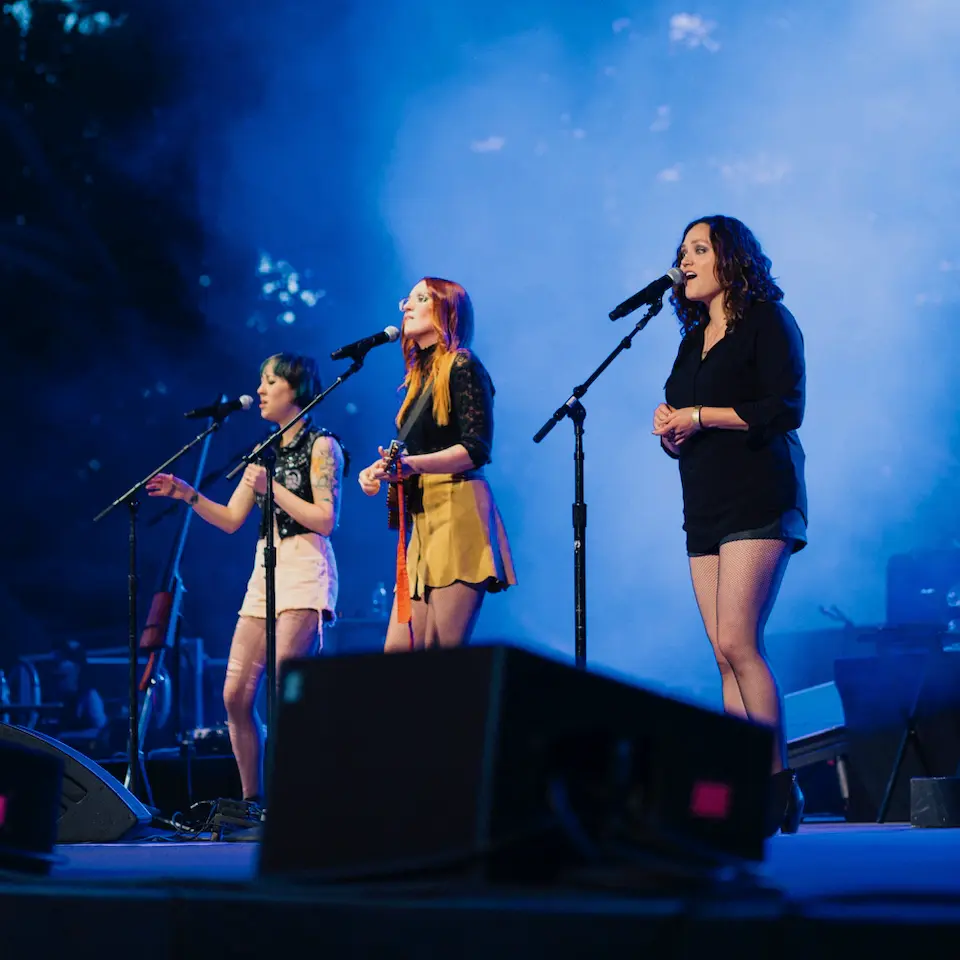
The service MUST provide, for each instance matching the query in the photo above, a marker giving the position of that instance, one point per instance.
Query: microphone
(652, 291)
(359, 349)
(221, 408)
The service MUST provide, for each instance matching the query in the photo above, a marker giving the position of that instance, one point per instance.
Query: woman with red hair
(458, 550)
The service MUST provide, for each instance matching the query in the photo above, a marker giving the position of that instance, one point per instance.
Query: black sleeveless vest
(293, 472)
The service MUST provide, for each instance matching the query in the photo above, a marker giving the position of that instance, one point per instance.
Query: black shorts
(791, 527)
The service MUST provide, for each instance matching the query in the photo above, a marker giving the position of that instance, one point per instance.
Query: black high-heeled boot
(785, 803)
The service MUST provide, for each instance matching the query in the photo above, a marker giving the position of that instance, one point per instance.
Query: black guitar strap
(393, 500)
(415, 413)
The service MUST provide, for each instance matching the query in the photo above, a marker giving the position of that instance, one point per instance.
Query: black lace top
(293, 472)
(471, 416)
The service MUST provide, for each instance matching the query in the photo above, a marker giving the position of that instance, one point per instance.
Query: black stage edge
(831, 891)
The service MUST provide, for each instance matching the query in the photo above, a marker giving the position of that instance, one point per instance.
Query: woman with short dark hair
(310, 464)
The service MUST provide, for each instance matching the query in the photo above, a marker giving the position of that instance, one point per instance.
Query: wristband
(695, 415)
(193, 500)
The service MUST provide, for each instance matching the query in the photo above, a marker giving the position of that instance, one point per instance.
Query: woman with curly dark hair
(734, 401)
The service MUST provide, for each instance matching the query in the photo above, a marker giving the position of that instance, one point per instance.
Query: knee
(238, 700)
(736, 647)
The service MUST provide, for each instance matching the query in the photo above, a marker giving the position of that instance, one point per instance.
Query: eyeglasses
(421, 298)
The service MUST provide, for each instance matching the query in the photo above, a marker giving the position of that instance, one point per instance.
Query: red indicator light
(711, 801)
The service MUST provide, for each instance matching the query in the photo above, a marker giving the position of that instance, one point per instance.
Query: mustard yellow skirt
(458, 535)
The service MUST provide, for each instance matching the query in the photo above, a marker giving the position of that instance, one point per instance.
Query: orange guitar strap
(403, 579)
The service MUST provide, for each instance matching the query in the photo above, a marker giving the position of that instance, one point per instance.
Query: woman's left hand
(255, 477)
(378, 470)
(678, 426)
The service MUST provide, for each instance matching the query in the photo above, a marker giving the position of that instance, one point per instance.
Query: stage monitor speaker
(94, 806)
(878, 694)
(500, 763)
(30, 783)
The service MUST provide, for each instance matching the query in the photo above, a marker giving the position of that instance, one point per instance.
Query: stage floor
(833, 889)
(822, 860)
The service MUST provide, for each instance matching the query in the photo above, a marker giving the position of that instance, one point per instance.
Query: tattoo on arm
(326, 472)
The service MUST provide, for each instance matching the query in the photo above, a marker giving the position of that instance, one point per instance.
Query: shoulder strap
(415, 413)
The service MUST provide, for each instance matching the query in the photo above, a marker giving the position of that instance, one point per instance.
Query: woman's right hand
(167, 485)
(368, 484)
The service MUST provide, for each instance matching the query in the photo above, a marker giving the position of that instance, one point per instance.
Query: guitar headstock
(394, 452)
(391, 458)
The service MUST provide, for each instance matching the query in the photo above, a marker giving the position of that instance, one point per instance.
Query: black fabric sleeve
(669, 453)
(471, 395)
(780, 376)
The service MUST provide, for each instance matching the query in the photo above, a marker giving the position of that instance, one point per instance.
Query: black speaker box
(94, 806)
(29, 799)
(500, 761)
(878, 694)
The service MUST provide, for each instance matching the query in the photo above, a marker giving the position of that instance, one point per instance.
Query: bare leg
(297, 636)
(452, 613)
(750, 575)
(705, 572)
(245, 667)
(398, 634)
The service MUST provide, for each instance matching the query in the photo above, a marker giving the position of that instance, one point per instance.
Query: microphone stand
(265, 453)
(577, 413)
(136, 780)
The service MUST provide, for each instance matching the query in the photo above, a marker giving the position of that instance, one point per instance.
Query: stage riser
(173, 924)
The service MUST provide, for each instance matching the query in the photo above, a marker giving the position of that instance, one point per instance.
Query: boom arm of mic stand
(570, 406)
(576, 412)
(137, 487)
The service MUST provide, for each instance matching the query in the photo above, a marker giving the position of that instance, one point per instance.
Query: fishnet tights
(736, 592)
(445, 619)
(297, 636)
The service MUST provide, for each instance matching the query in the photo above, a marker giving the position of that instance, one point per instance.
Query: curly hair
(743, 270)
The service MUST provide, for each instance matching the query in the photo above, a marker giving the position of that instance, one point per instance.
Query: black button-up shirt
(736, 480)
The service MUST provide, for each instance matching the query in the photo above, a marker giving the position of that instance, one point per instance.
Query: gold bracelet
(695, 415)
